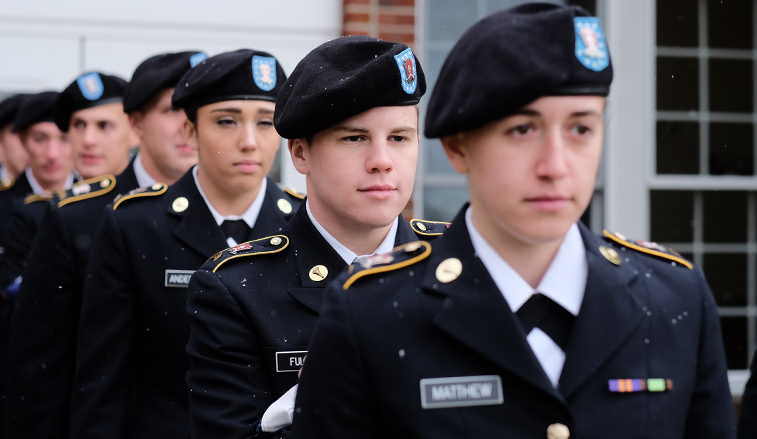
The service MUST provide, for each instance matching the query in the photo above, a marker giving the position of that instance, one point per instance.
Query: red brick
(408, 39)
(357, 18)
(344, 34)
(397, 2)
(396, 19)
(361, 2)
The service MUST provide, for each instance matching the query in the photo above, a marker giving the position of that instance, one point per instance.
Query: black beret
(343, 78)
(512, 58)
(8, 109)
(88, 90)
(35, 108)
(230, 76)
(156, 74)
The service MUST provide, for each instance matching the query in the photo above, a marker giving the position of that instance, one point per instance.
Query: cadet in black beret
(519, 321)
(253, 307)
(151, 241)
(51, 293)
(15, 158)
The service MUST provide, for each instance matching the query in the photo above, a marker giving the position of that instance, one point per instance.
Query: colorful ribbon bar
(639, 385)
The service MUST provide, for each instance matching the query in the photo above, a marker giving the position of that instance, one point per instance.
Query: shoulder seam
(648, 251)
(155, 192)
(112, 183)
(384, 268)
(267, 238)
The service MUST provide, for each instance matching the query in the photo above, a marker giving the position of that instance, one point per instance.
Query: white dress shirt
(564, 282)
(143, 178)
(250, 216)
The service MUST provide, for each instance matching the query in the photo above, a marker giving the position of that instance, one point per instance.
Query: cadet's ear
(190, 133)
(456, 150)
(299, 150)
(135, 120)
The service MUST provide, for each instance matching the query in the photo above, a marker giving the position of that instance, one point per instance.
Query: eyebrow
(238, 111)
(530, 112)
(357, 129)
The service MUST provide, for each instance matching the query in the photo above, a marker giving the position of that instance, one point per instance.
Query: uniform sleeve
(229, 387)
(43, 329)
(17, 240)
(105, 341)
(334, 397)
(711, 411)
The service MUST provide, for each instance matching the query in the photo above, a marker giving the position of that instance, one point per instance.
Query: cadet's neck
(154, 171)
(223, 201)
(529, 259)
(361, 239)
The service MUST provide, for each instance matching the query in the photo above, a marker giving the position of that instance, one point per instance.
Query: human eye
(265, 123)
(226, 122)
(352, 138)
(103, 125)
(520, 130)
(580, 129)
(79, 125)
(398, 138)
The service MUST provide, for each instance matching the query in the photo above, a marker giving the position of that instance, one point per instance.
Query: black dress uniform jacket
(134, 328)
(252, 314)
(10, 196)
(44, 322)
(645, 318)
(748, 419)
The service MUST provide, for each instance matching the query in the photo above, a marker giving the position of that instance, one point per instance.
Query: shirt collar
(250, 216)
(37, 188)
(348, 255)
(4, 175)
(565, 279)
(143, 178)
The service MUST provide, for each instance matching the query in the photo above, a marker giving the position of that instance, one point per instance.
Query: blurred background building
(679, 163)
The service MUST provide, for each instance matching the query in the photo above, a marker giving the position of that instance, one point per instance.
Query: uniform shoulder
(90, 188)
(400, 257)
(34, 198)
(427, 228)
(646, 247)
(293, 192)
(258, 247)
(7, 183)
(147, 191)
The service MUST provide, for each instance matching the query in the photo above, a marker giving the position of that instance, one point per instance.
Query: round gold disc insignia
(284, 206)
(558, 431)
(180, 204)
(449, 270)
(319, 273)
(105, 183)
(275, 240)
(157, 186)
(421, 226)
(413, 246)
(610, 254)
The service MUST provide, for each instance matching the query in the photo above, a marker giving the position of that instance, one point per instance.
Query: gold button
(449, 270)
(284, 206)
(610, 254)
(558, 431)
(621, 236)
(420, 226)
(105, 183)
(157, 186)
(413, 246)
(275, 240)
(180, 204)
(319, 273)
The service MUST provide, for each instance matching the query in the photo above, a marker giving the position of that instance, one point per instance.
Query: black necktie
(238, 230)
(541, 312)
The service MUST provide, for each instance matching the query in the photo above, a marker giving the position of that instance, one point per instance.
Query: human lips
(549, 202)
(184, 148)
(90, 159)
(378, 191)
(247, 166)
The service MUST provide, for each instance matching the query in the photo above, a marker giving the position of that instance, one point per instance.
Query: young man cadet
(519, 322)
(51, 168)
(50, 297)
(15, 158)
(352, 130)
(134, 328)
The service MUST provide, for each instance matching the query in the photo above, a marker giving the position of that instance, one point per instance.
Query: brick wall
(392, 20)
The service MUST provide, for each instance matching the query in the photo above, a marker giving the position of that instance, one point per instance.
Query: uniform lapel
(271, 218)
(405, 233)
(127, 180)
(609, 314)
(311, 249)
(472, 310)
(196, 226)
